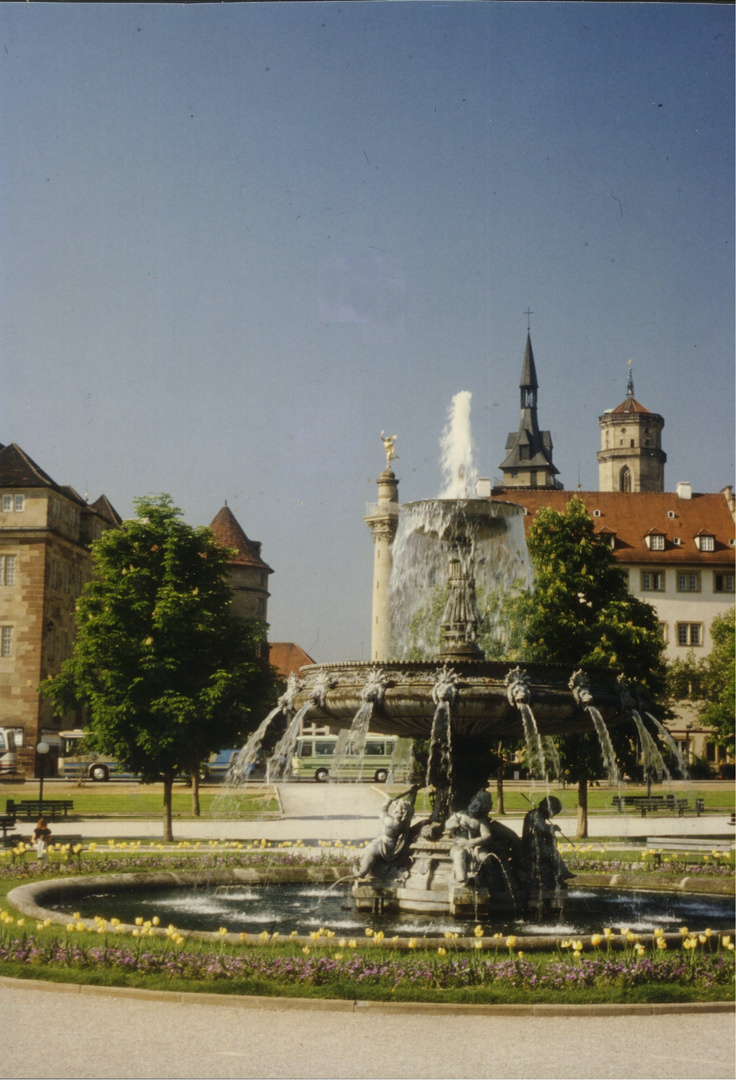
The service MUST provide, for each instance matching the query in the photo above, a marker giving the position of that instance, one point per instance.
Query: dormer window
(655, 541)
(705, 542)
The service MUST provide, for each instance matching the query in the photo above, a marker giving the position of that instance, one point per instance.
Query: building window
(652, 581)
(688, 582)
(689, 633)
(706, 542)
(14, 502)
(6, 641)
(54, 575)
(723, 582)
(7, 569)
(656, 542)
(662, 627)
(625, 479)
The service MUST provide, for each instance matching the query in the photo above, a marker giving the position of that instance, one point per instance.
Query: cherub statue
(471, 831)
(540, 845)
(389, 445)
(484, 851)
(387, 848)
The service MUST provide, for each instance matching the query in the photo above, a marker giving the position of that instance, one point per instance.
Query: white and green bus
(383, 757)
(77, 760)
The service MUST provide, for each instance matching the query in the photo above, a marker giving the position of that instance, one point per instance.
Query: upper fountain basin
(481, 707)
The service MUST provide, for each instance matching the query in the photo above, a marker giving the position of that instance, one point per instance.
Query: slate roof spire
(528, 461)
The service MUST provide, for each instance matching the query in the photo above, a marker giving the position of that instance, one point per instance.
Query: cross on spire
(528, 314)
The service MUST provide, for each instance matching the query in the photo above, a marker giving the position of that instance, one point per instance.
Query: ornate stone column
(382, 519)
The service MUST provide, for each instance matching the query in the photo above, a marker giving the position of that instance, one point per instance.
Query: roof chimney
(684, 490)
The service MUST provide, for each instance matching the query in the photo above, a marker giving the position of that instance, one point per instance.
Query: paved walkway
(57, 1032)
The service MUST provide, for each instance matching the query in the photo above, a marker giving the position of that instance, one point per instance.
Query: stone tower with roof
(247, 572)
(631, 457)
(528, 461)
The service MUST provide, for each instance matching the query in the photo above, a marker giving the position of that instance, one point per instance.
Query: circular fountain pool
(303, 908)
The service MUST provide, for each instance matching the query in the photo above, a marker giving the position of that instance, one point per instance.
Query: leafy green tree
(719, 686)
(581, 614)
(165, 673)
(711, 681)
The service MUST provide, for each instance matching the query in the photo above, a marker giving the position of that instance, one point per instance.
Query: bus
(383, 757)
(77, 760)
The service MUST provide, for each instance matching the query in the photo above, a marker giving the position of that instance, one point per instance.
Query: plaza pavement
(57, 1032)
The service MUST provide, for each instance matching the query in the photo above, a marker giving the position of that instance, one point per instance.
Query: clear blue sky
(238, 241)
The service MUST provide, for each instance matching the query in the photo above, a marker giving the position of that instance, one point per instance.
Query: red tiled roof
(631, 405)
(229, 533)
(633, 516)
(286, 657)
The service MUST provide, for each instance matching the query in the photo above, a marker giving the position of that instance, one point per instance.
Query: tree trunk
(195, 792)
(582, 809)
(168, 786)
(499, 781)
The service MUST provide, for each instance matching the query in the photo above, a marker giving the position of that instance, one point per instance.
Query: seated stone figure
(485, 851)
(389, 847)
(539, 842)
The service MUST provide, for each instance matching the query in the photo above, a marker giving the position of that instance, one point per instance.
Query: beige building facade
(45, 533)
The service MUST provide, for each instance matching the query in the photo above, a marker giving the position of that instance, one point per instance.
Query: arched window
(625, 479)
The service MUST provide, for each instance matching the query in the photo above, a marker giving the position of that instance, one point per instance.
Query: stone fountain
(449, 549)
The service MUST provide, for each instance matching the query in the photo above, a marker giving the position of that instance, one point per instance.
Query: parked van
(382, 756)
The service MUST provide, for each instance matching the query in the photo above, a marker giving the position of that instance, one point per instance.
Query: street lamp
(42, 750)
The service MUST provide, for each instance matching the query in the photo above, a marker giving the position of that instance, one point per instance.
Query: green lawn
(146, 800)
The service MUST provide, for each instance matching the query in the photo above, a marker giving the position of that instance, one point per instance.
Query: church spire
(630, 383)
(528, 462)
(529, 384)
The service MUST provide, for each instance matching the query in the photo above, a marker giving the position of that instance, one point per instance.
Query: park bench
(651, 804)
(7, 821)
(30, 808)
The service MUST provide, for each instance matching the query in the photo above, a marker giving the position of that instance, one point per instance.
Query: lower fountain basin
(481, 708)
(252, 907)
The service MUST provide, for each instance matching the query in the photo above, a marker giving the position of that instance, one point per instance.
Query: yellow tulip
(478, 931)
(442, 952)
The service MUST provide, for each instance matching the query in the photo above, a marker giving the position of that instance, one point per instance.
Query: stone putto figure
(485, 852)
(540, 845)
(388, 847)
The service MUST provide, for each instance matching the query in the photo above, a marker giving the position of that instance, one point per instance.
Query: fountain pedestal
(427, 886)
